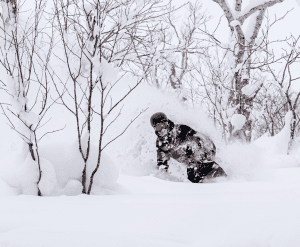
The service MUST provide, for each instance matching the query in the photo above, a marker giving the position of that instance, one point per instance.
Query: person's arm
(184, 132)
(162, 157)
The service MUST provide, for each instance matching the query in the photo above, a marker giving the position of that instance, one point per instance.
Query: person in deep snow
(180, 142)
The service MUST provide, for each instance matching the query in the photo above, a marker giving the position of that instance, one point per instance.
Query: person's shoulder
(201, 135)
(184, 130)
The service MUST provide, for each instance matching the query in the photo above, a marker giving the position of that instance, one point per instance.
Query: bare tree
(26, 47)
(211, 84)
(100, 40)
(178, 43)
(270, 108)
(286, 78)
(243, 45)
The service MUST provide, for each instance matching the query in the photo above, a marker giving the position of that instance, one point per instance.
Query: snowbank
(6, 190)
(275, 148)
(61, 166)
(68, 165)
(241, 161)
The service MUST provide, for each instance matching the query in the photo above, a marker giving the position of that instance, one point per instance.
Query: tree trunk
(242, 55)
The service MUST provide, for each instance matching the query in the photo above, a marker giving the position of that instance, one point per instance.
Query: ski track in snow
(153, 212)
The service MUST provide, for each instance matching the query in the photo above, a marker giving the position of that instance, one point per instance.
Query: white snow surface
(152, 212)
(275, 148)
(277, 144)
(256, 205)
(61, 165)
(68, 165)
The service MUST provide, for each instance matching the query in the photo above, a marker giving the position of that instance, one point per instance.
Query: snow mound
(107, 174)
(68, 165)
(241, 161)
(6, 190)
(28, 176)
(61, 165)
(279, 143)
(275, 148)
(24, 177)
(73, 188)
(48, 180)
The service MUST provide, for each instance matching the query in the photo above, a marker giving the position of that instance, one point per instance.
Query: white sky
(282, 29)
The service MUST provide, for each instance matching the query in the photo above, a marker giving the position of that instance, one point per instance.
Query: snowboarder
(180, 142)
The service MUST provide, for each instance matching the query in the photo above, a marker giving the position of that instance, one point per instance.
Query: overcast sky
(291, 23)
(284, 28)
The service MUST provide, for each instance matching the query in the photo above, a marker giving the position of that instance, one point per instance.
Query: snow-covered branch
(260, 5)
(26, 48)
(103, 41)
(227, 11)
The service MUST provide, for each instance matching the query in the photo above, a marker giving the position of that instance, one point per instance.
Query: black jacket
(185, 145)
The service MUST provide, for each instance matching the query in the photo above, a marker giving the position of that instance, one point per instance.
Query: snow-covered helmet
(158, 118)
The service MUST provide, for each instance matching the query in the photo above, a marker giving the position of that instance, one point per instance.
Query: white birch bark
(243, 46)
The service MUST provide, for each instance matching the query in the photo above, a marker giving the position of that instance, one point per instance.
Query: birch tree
(243, 42)
(25, 48)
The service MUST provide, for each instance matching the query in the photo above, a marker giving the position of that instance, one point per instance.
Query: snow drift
(135, 151)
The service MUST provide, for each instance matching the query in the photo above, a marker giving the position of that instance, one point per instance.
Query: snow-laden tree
(179, 42)
(287, 77)
(243, 44)
(101, 42)
(269, 109)
(26, 43)
(210, 84)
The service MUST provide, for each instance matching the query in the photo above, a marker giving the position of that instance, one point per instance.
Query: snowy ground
(259, 204)
(152, 212)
